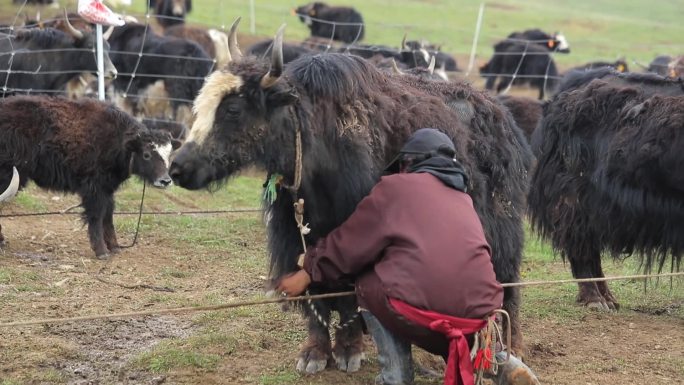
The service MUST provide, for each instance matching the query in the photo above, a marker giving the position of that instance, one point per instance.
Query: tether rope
(300, 298)
(169, 212)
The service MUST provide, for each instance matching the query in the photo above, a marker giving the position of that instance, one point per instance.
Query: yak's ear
(175, 143)
(281, 95)
(133, 142)
(188, 6)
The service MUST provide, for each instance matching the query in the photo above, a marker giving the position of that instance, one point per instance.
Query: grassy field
(595, 29)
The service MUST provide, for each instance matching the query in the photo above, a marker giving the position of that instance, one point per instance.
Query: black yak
(521, 63)
(619, 65)
(553, 43)
(179, 63)
(609, 175)
(352, 119)
(84, 147)
(213, 41)
(335, 23)
(170, 12)
(659, 65)
(44, 60)
(291, 52)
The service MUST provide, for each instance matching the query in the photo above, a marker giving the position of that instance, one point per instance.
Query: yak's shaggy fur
(84, 147)
(353, 121)
(609, 175)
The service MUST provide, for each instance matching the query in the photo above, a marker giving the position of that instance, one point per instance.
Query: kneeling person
(422, 267)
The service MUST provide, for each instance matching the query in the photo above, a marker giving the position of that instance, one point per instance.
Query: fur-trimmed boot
(514, 372)
(394, 354)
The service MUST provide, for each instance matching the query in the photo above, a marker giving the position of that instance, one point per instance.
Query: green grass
(29, 202)
(167, 356)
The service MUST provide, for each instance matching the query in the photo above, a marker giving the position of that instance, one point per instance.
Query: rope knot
(446, 328)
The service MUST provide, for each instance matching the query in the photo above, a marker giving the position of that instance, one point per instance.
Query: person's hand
(294, 284)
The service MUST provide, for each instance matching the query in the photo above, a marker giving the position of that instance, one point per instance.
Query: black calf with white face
(151, 157)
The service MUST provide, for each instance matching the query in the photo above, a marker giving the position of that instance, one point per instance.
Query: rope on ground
(178, 309)
(46, 213)
(295, 299)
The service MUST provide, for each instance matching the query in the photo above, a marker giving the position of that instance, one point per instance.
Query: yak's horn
(13, 186)
(233, 47)
(403, 42)
(72, 31)
(431, 66)
(276, 60)
(395, 68)
(108, 33)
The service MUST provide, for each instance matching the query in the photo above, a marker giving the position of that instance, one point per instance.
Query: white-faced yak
(84, 147)
(609, 177)
(352, 120)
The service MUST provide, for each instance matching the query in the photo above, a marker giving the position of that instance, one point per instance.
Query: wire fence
(141, 71)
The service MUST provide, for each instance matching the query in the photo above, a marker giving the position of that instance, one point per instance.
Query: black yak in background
(352, 119)
(45, 60)
(520, 64)
(337, 23)
(170, 12)
(609, 176)
(83, 147)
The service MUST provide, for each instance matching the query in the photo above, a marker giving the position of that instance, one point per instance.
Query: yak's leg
(584, 266)
(2, 237)
(108, 226)
(608, 297)
(348, 349)
(490, 83)
(314, 355)
(541, 90)
(505, 81)
(511, 305)
(93, 215)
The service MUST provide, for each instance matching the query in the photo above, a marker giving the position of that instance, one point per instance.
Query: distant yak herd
(595, 162)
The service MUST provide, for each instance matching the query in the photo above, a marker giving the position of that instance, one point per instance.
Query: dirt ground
(46, 270)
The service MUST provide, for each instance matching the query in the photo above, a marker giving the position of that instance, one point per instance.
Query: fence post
(252, 18)
(100, 62)
(475, 38)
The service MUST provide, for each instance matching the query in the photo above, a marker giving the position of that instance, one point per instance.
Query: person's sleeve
(353, 246)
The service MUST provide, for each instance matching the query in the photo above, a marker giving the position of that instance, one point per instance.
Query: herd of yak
(596, 168)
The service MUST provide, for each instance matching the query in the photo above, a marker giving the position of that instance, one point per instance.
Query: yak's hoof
(600, 306)
(311, 366)
(312, 359)
(115, 249)
(349, 363)
(102, 256)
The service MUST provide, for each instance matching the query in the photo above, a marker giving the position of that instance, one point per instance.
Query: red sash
(459, 369)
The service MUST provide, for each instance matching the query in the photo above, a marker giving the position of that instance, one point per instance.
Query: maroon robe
(417, 240)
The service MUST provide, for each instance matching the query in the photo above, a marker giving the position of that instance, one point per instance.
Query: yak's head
(85, 39)
(558, 43)
(232, 112)
(151, 151)
(309, 12)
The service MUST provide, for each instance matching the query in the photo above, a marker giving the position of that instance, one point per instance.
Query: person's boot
(394, 354)
(514, 372)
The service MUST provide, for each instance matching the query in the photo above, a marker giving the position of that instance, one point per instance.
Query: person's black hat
(427, 142)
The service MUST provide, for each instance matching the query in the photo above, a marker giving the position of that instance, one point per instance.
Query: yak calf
(84, 147)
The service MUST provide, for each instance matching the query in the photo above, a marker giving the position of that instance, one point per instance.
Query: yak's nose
(163, 182)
